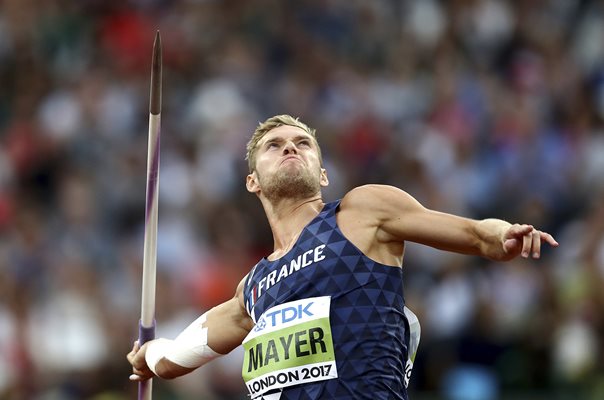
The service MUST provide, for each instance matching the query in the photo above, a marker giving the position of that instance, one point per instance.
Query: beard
(288, 183)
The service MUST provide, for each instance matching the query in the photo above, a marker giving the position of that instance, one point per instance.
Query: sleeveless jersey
(364, 327)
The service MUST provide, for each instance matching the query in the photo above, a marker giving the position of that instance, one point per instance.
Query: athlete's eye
(304, 143)
(272, 145)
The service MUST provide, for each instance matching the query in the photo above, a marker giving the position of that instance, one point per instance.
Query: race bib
(290, 344)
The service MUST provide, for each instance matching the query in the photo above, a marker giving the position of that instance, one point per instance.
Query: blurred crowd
(483, 108)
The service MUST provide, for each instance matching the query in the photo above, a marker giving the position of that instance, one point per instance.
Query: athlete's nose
(289, 148)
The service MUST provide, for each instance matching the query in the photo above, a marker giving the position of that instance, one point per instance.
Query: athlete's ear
(251, 183)
(324, 181)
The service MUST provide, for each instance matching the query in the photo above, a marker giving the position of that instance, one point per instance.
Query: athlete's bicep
(400, 217)
(227, 325)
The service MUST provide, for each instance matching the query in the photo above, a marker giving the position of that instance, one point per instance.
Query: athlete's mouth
(290, 158)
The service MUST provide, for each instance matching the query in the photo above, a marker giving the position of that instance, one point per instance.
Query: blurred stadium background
(476, 107)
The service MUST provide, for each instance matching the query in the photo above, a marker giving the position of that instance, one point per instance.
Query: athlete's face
(287, 165)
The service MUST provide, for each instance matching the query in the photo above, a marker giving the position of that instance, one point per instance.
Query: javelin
(146, 324)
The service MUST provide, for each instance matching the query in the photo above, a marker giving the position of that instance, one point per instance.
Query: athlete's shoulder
(374, 197)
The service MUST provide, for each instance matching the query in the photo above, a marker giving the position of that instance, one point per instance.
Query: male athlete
(323, 316)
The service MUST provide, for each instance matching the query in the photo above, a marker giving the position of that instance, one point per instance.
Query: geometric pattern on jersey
(369, 328)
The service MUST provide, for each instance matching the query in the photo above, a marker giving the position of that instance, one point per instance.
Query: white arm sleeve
(190, 348)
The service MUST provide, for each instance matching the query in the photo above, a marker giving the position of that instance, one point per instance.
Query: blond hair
(270, 124)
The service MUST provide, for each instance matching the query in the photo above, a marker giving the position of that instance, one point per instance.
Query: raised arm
(212, 335)
(399, 217)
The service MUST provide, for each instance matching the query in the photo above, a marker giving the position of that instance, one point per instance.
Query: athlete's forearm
(166, 369)
(215, 333)
(159, 364)
(172, 358)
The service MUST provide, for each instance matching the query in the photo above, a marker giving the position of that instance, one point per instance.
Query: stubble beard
(289, 184)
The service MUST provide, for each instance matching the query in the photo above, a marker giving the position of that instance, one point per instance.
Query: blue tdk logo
(288, 314)
(284, 315)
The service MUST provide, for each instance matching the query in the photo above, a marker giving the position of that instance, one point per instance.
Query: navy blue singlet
(369, 328)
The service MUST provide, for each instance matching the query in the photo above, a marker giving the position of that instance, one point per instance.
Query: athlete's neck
(288, 218)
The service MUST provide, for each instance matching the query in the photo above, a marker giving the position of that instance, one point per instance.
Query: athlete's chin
(291, 187)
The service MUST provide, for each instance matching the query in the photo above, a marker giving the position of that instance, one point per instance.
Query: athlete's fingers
(517, 231)
(548, 238)
(143, 372)
(137, 359)
(527, 241)
(140, 375)
(536, 245)
(130, 356)
(134, 351)
(511, 246)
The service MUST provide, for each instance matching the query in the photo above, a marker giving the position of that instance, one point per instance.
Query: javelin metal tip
(156, 67)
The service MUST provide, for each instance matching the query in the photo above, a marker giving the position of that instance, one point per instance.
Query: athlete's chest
(291, 277)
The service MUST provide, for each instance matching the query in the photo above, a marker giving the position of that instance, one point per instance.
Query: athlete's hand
(136, 357)
(525, 240)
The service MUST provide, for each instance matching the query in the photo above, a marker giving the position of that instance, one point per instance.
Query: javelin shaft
(147, 320)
